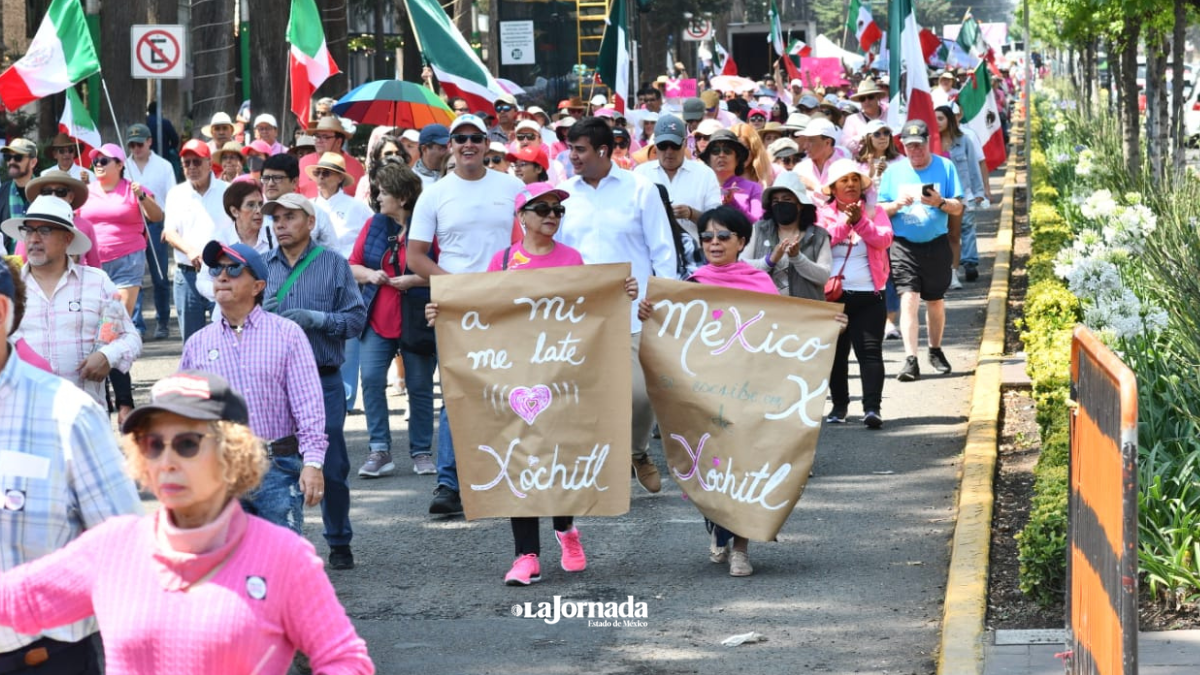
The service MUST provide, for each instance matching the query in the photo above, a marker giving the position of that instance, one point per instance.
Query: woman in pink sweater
(199, 586)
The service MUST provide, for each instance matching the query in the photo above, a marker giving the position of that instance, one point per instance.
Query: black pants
(65, 658)
(868, 314)
(122, 384)
(525, 533)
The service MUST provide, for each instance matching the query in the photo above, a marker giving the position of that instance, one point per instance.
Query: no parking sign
(158, 52)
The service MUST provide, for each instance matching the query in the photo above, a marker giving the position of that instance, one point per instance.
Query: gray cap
(669, 128)
(808, 101)
(138, 133)
(693, 110)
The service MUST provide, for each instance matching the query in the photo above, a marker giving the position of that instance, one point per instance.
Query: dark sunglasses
(42, 230)
(135, 144)
(60, 192)
(787, 161)
(13, 158)
(721, 149)
(494, 159)
(325, 173)
(723, 235)
(104, 161)
(881, 133)
(543, 209)
(234, 269)
(463, 139)
(195, 161)
(667, 145)
(527, 137)
(504, 107)
(622, 144)
(186, 445)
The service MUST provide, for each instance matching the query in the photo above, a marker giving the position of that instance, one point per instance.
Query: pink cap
(536, 191)
(257, 146)
(108, 150)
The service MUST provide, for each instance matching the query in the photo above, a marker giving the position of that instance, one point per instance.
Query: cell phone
(927, 189)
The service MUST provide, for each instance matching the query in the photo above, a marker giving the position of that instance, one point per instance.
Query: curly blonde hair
(243, 458)
(758, 165)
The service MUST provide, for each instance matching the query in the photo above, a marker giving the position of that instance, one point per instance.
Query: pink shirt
(520, 259)
(117, 219)
(267, 597)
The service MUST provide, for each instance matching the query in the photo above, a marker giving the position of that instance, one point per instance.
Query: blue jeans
(191, 307)
(970, 249)
(335, 507)
(418, 377)
(375, 353)
(278, 499)
(350, 372)
(446, 465)
(890, 296)
(162, 289)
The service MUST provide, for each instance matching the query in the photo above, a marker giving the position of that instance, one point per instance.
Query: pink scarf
(738, 275)
(186, 556)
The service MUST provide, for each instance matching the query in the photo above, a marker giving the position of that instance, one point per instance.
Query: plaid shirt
(327, 285)
(60, 473)
(272, 366)
(65, 328)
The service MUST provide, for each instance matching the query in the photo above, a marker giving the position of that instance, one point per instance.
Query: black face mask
(255, 164)
(784, 213)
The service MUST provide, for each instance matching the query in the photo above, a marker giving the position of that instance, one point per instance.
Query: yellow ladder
(589, 16)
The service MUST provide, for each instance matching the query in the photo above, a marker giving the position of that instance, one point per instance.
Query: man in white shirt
(618, 216)
(945, 92)
(266, 129)
(470, 212)
(158, 176)
(692, 185)
(194, 215)
(64, 151)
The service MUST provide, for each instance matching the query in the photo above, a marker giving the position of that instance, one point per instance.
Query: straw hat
(332, 161)
(221, 119)
(330, 123)
(230, 148)
(866, 88)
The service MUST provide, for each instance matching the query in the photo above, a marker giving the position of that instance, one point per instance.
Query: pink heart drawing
(529, 402)
(718, 313)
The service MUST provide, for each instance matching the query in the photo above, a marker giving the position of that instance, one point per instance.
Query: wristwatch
(316, 465)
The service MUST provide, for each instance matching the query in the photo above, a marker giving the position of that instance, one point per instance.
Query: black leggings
(525, 533)
(868, 314)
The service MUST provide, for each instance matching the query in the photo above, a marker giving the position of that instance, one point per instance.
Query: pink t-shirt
(117, 220)
(520, 259)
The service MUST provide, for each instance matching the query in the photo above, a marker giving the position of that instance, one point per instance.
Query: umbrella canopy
(394, 103)
(733, 83)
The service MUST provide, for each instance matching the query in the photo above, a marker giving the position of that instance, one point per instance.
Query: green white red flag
(60, 55)
(309, 61)
(981, 115)
(862, 24)
(454, 63)
(905, 54)
(613, 63)
(726, 66)
(775, 37)
(77, 123)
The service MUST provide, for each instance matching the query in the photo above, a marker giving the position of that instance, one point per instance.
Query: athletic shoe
(162, 332)
(938, 360)
(955, 282)
(911, 370)
(525, 571)
(340, 558)
(573, 559)
(891, 333)
(379, 463)
(423, 465)
(647, 474)
(872, 419)
(445, 501)
(717, 554)
(739, 564)
(971, 271)
(837, 415)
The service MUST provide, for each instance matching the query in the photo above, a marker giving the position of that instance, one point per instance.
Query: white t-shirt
(347, 216)
(472, 219)
(158, 177)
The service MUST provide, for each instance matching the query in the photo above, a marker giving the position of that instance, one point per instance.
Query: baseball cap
(914, 131)
(238, 252)
(808, 101)
(708, 127)
(108, 150)
(822, 127)
(528, 124)
(505, 98)
(599, 100)
(468, 121)
(782, 147)
(267, 119)
(411, 135)
(21, 146)
(197, 147)
(530, 153)
(535, 190)
(436, 134)
(875, 125)
(710, 98)
(192, 394)
(693, 109)
(497, 146)
(790, 181)
(669, 128)
(137, 133)
(756, 112)
(649, 116)
(291, 200)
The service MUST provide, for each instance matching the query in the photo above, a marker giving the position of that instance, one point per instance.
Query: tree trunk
(335, 21)
(380, 59)
(215, 59)
(1115, 98)
(410, 52)
(1178, 130)
(1155, 63)
(1162, 129)
(128, 95)
(1130, 117)
(269, 84)
(167, 13)
(1089, 60)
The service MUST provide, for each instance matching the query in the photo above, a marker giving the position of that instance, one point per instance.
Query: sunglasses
(721, 149)
(325, 173)
(272, 177)
(42, 230)
(104, 161)
(527, 137)
(60, 192)
(723, 235)
(543, 209)
(881, 133)
(325, 137)
(622, 144)
(667, 145)
(132, 144)
(196, 161)
(504, 108)
(186, 445)
(494, 159)
(787, 161)
(233, 269)
(13, 158)
(463, 139)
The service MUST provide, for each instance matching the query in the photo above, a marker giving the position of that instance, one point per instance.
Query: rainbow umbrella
(394, 103)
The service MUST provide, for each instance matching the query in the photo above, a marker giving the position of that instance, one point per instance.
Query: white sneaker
(955, 282)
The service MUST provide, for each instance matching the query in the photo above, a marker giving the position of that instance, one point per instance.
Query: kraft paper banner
(537, 380)
(738, 380)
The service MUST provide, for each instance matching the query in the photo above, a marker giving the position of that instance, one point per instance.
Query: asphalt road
(853, 585)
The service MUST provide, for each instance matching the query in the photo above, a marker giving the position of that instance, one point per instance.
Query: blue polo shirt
(919, 223)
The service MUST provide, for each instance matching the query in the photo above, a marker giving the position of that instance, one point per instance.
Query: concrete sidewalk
(1161, 653)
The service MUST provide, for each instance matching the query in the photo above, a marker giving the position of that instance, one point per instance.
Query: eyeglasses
(234, 269)
(503, 107)
(325, 173)
(723, 235)
(463, 139)
(881, 133)
(494, 159)
(105, 161)
(131, 144)
(667, 145)
(252, 206)
(527, 137)
(195, 161)
(462, 111)
(543, 209)
(520, 164)
(325, 137)
(273, 177)
(60, 192)
(721, 149)
(66, 150)
(186, 444)
(41, 230)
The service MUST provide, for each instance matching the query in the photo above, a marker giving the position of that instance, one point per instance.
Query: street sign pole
(158, 141)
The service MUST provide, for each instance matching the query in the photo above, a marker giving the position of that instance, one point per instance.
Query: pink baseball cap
(108, 150)
(257, 146)
(538, 190)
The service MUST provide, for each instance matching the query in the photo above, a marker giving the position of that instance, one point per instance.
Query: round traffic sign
(158, 52)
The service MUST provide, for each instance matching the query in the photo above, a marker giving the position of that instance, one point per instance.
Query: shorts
(922, 267)
(128, 271)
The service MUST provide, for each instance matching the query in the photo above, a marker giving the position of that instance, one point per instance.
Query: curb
(960, 650)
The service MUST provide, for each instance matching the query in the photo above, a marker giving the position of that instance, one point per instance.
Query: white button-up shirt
(158, 176)
(694, 184)
(198, 218)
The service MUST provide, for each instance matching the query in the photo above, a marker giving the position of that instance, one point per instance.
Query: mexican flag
(613, 63)
(77, 123)
(455, 64)
(309, 60)
(862, 24)
(727, 65)
(970, 37)
(60, 55)
(980, 114)
(904, 51)
(775, 37)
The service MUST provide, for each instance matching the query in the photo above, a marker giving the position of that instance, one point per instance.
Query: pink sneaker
(525, 571)
(573, 559)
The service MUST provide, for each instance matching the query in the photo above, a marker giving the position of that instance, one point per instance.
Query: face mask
(785, 213)
(255, 164)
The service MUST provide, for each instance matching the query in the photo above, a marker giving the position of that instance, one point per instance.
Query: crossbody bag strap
(296, 271)
(504, 265)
